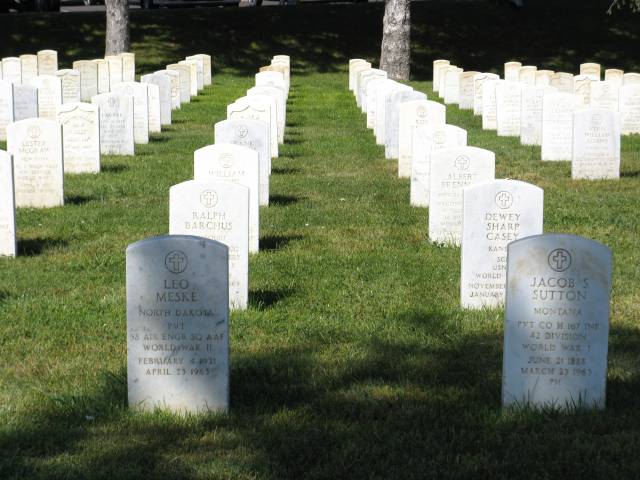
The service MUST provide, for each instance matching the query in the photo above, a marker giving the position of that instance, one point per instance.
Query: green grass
(354, 359)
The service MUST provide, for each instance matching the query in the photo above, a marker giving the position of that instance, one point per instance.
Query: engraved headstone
(355, 64)
(437, 66)
(140, 94)
(80, 137)
(489, 105)
(494, 213)
(7, 207)
(466, 89)
(206, 63)
(6, 107)
(193, 76)
(163, 82)
(604, 95)
(257, 108)
(371, 96)
(128, 66)
(452, 85)
(278, 95)
(104, 75)
(365, 77)
(512, 71)
(543, 77)
(217, 211)
(25, 102)
(631, 78)
(28, 67)
(185, 81)
(88, 78)
(591, 70)
(116, 123)
(49, 95)
(381, 109)
(452, 169)
(36, 146)
(12, 70)
(557, 125)
(478, 81)
(153, 99)
(614, 76)
(582, 88)
(531, 113)
(115, 70)
(174, 79)
(556, 322)
(235, 164)
(629, 109)
(508, 106)
(273, 78)
(253, 134)
(47, 62)
(392, 118)
(527, 75)
(199, 69)
(596, 144)
(426, 140)
(563, 81)
(178, 324)
(415, 113)
(70, 84)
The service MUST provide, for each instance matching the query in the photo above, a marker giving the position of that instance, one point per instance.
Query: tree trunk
(395, 55)
(117, 39)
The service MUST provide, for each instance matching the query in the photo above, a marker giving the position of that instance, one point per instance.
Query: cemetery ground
(354, 359)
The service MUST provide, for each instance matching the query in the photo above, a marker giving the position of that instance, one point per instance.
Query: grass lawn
(354, 360)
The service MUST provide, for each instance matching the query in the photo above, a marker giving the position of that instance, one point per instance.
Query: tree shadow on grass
(264, 299)
(283, 200)
(78, 199)
(31, 247)
(114, 167)
(272, 243)
(285, 170)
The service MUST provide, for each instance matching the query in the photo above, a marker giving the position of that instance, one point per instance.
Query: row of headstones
(180, 287)
(556, 286)
(573, 118)
(40, 151)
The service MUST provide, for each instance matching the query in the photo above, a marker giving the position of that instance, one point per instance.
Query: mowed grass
(354, 359)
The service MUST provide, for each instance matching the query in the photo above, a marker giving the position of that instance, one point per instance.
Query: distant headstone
(36, 146)
(49, 95)
(452, 169)
(193, 76)
(163, 82)
(466, 90)
(206, 62)
(508, 105)
(70, 84)
(178, 324)
(582, 88)
(365, 77)
(437, 66)
(596, 144)
(478, 82)
(614, 76)
(371, 96)
(512, 71)
(543, 78)
(357, 68)
(153, 99)
(278, 95)
(80, 137)
(355, 65)
(557, 125)
(6, 107)
(116, 123)
(415, 113)
(12, 70)
(199, 69)
(257, 108)
(253, 134)
(174, 79)
(140, 94)
(128, 66)
(275, 79)
(88, 78)
(494, 213)
(115, 70)
(489, 105)
(25, 102)
(629, 109)
(185, 81)
(452, 86)
(392, 118)
(531, 113)
(7, 207)
(604, 95)
(28, 67)
(563, 81)
(381, 110)
(47, 62)
(556, 322)
(217, 211)
(527, 75)
(591, 70)
(426, 140)
(234, 164)
(104, 75)
(631, 78)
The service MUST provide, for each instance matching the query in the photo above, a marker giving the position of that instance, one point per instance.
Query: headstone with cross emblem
(426, 140)
(49, 95)
(80, 137)
(140, 94)
(531, 113)
(629, 109)
(178, 324)
(415, 113)
(596, 144)
(489, 105)
(557, 125)
(508, 105)
(392, 118)
(7, 207)
(6, 107)
(478, 81)
(556, 322)
(257, 107)
(218, 211)
(116, 123)
(582, 88)
(494, 213)
(36, 146)
(253, 134)
(236, 164)
(452, 169)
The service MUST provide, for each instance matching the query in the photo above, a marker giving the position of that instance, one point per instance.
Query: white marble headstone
(153, 102)
(80, 137)
(193, 75)
(281, 107)
(629, 109)
(174, 79)
(28, 67)
(604, 95)
(489, 104)
(531, 113)
(140, 94)
(128, 66)
(596, 144)
(70, 84)
(8, 245)
(6, 107)
(437, 66)
(116, 123)
(88, 78)
(115, 70)
(614, 76)
(508, 106)
(512, 71)
(185, 81)
(12, 69)
(466, 90)
(557, 125)
(163, 82)
(47, 62)
(392, 119)
(25, 102)
(478, 81)
(591, 70)
(257, 108)
(104, 75)
(49, 95)
(527, 75)
(452, 85)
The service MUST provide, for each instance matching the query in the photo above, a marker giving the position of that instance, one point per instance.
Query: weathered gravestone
(604, 95)
(596, 144)
(437, 66)
(116, 123)
(365, 77)
(531, 113)
(614, 76)
(591, 70)
(489, 105)
(629, 109)
(25, 102)
(556, 322)
(582, 89)
(47, 62)
(36, 146)
(508, 108)
(235, 164)
(49, 95)
(527, 75)
(512, 71)
(12, 70)
(452, 169)
(163, 82)
(185, 81)
(415, 113)
(88, 78)
(466, 90)
(70, 85)
(140, 94)
(6, 107)
(563, 81)
(28, 67)
(7, 207)
(253, 134)
(104, 75)
(128, 66)
(494, 213)
(392, 119)
(178, 324)
(80, 137)
(218, 211)
(115, 70)
(257, 108)
(557, 125)
(478, 81)
(425, 141)
(281, 112)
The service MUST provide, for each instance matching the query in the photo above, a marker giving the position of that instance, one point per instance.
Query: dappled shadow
(283, 200)
(264, 299)
(630, 174)
(78, 199)
(277, 242)
(29, 247)
(114, 167)
(284, 170)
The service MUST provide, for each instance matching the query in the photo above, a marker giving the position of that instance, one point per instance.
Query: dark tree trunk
(395, 55)
(117, 38)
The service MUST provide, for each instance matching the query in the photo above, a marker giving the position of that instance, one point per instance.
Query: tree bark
(117, 38)
(395, 55)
